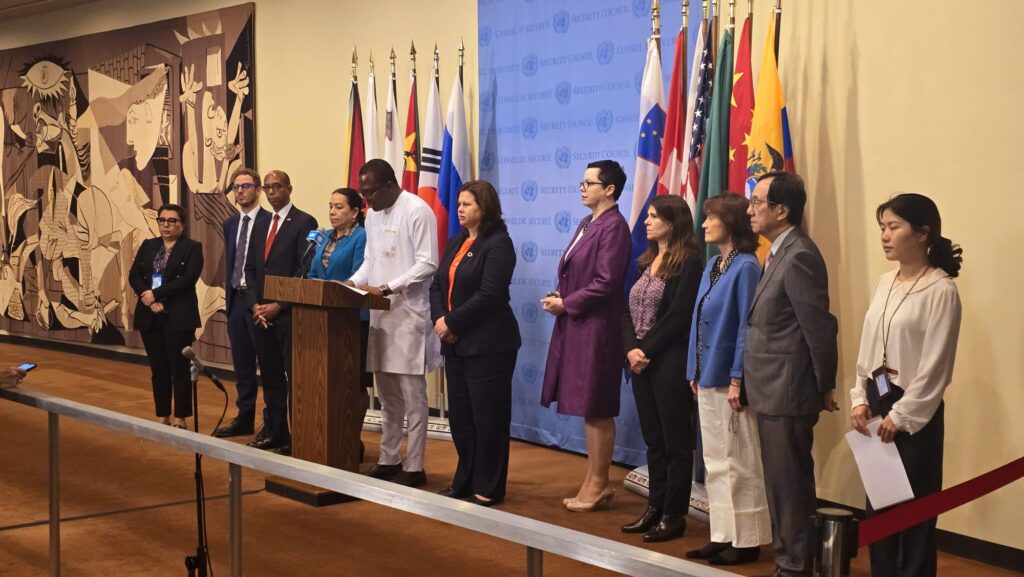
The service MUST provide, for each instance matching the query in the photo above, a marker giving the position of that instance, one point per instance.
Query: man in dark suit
(245, 183)
(276, 248)
(789, 362)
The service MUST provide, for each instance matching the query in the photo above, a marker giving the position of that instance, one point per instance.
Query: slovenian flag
(648, 156)
(455, 164)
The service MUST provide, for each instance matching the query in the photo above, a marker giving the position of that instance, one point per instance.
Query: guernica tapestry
(98, 132)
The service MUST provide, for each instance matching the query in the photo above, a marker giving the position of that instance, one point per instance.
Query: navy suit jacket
(285, 258)
(230, 235)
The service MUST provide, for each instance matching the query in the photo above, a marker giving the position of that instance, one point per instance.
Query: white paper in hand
(881, 470)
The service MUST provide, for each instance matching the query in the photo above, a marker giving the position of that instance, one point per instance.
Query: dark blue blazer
(178, 290)
(285, 258)
(345, 260)
(230, 234)
(724, 320)
(480, 314)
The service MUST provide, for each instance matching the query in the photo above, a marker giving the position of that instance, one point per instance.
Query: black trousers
(241, 329)
(169, 368)
(913, 552)
(480, 413)
(274, 353)
(664, 405)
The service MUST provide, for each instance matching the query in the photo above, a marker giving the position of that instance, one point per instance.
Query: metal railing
(537, 536)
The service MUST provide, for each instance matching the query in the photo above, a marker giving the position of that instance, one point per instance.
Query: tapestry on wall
(97, 133)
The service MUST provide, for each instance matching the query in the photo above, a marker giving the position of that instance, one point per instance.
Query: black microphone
(190, 354)
(314, 239)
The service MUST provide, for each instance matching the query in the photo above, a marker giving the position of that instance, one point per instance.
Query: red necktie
(767, 259)
(270, 239)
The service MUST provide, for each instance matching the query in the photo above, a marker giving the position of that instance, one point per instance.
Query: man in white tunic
(400, 260)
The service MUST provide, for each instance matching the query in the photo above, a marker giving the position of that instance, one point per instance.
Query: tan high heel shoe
(603, 502)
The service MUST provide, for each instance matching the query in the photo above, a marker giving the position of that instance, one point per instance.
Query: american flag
(702, 107)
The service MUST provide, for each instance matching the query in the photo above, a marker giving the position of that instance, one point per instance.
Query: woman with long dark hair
(655, 331)
(740, 522)
(469, 304)
(164, 277)
(907, 350)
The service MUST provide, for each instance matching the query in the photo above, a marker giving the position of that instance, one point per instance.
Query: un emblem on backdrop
(529, 251)
(486, 101)
(605, 52)
(560, 22)
(604, 120)
(563, 221)
(530, 373)
(640, 8)
(528, 128)
(563, 156)
(563, 92)
(529, 311)
(529, 190)
(487, 161)
(530, 64)
(486, 36)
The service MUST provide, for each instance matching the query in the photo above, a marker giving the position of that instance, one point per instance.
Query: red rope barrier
(917, 511)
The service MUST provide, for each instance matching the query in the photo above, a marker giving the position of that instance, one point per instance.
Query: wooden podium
(327, 367)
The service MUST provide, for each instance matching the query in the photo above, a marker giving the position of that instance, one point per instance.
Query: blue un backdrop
(560, 88)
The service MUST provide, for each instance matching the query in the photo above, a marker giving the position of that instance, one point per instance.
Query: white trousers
(402, 398)
(735, 479)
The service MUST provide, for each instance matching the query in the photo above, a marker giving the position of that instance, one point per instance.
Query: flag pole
(412, 57)
(778, 27)
(714, 30)
(437, 70)
(392, 60)
(732, 14)
(355, 66)
(686, 15)
(656, 24)
(462, 58)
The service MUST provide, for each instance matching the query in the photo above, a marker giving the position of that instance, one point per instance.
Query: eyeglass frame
(274, 186)
(171, 221)
(756, 202)
(585, 184)
(244, 186)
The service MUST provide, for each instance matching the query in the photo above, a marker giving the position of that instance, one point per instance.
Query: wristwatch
(386, 291)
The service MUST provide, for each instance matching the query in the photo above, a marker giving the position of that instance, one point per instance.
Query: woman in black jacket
(469, 304)
(164, 276)
(655, 331)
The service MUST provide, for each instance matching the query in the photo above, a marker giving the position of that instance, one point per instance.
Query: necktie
(768, 260)
(240, 247)
(270, 239)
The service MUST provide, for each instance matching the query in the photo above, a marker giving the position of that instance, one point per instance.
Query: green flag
(714, 174)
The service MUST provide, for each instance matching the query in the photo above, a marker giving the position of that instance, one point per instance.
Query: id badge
(158, 279)
(881, 378)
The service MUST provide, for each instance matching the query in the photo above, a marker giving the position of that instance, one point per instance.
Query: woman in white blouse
(905, 363)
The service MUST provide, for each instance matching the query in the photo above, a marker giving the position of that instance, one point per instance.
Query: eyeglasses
(171, 221)
(242, 186)
(275, 187)
(585, 184)
(369, 191)
(756, 202)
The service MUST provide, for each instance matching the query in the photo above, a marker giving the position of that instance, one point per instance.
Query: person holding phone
(13, 376)
(907, 349)
(164, 276)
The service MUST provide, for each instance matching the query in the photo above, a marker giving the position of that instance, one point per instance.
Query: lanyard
(887, 327)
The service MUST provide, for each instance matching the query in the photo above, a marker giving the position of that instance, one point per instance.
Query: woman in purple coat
(584, 365)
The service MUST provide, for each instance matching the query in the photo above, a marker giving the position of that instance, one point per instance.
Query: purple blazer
(584, 366)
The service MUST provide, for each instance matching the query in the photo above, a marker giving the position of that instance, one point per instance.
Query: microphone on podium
(314, 239)
(190, 354)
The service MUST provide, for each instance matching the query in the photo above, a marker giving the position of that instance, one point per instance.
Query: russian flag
(455, 163)
(648, 156)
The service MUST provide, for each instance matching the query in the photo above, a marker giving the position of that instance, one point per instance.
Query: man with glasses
(276, 248)
(245, 183)
(789, 361)
(400, 260)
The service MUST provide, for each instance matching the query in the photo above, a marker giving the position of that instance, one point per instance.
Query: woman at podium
(469, 304)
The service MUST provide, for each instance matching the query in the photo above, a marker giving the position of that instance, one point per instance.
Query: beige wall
(919, 95)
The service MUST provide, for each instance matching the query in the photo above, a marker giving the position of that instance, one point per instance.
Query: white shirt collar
(778, 240)
(283, 213)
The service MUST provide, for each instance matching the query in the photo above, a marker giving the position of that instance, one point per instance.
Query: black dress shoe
(285, 450)
(411, 478)
(268, 443)
(452, 493)
(489, 503)
(706, 552)
(384, 472)
(645, 523)
(736, 556)
(235, 428)
(670, 527)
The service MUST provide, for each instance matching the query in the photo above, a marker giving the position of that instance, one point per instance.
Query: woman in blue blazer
(469, 304)
(341, 255)
(338, 258)
(735, 481)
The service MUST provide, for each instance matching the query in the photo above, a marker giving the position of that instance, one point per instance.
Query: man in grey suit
(789, 361)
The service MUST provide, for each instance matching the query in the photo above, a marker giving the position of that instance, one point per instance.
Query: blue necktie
(240, 248)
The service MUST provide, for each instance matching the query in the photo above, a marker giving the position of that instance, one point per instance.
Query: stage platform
(127, 505)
